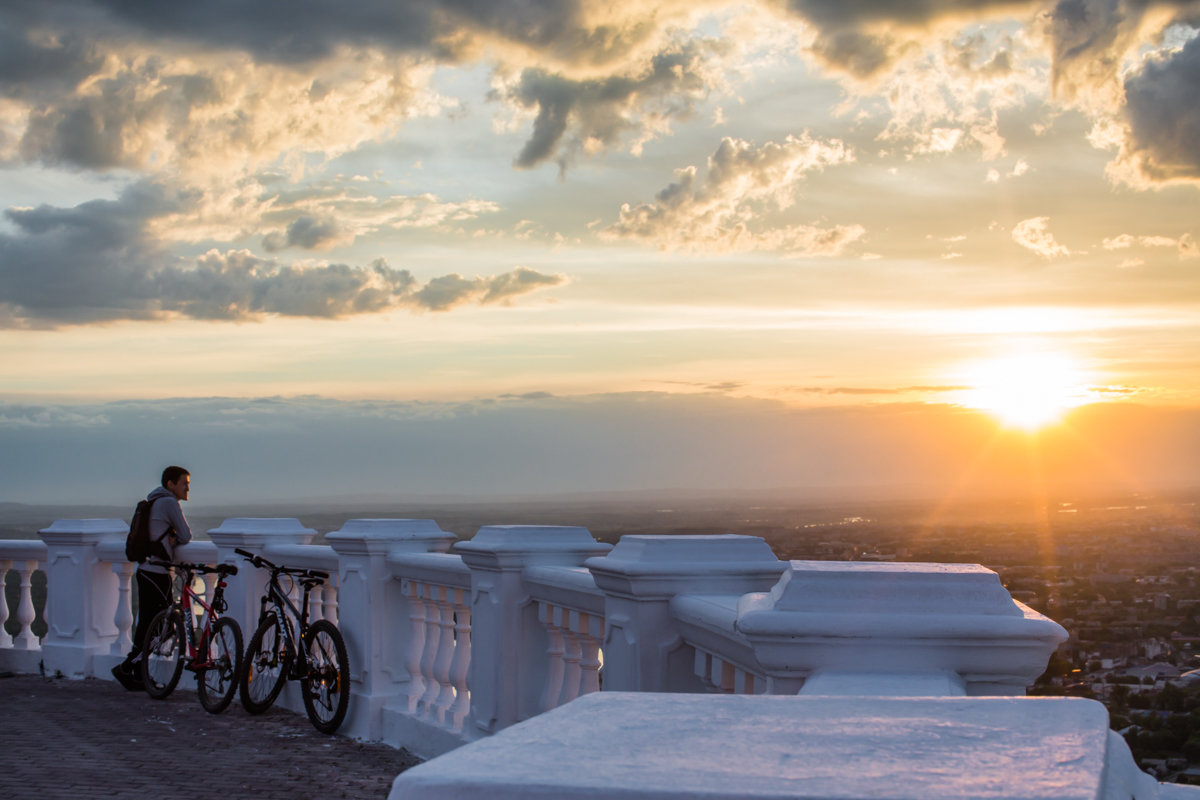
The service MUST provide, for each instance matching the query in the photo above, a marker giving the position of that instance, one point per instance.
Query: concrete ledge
(658, 746)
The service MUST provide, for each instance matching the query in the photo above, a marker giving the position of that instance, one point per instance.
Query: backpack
(138, 546)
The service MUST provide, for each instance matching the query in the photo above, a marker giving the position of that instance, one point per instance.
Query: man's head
(177, 481)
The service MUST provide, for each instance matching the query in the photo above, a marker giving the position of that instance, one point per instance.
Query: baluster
(433, 633)
(589, 661)
(445, 655)
(572, 652)
(316, 605)
(727, 676)
(462, 659)
(331, 601)
(25, 640)
(123, 618)
(702, 666)
(412, 659)
(5, 639)
(554, 680)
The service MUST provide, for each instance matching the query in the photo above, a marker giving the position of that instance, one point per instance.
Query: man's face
(180, 487)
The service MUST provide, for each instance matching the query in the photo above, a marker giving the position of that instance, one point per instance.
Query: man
(168, 530)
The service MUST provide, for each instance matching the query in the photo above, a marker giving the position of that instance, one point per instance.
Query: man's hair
(173, 474)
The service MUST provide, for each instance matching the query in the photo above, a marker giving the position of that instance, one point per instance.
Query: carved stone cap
(847, 587)
(359, 536)
(82, 531)
(258, 531)
(664, 566)
(847, 599)
(507, 547)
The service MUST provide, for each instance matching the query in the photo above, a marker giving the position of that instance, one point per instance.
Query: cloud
(575, 117)
(1185, 244)
(722, 211)
(218, 116)
(1163, 141)
(95, 263)
(320, 215)
(1034, 234)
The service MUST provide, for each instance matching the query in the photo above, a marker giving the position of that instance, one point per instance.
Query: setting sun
(1025, 390)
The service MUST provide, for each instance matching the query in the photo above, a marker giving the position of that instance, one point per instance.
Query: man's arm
(183, 532)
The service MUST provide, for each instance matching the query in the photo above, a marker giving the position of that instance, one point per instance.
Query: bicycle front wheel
(266, 666)
(217, 680)
(162, 653)
(327, 682)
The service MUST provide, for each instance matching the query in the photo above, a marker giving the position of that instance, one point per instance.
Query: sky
(531, 247)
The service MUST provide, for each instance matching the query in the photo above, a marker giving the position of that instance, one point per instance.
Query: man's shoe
(125, 676)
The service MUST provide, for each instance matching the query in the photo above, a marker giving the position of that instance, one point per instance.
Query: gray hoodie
(167, 525)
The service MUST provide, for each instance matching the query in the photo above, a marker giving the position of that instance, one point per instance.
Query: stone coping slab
(642, 746)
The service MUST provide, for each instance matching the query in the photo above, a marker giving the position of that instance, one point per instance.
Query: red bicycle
(211, 646)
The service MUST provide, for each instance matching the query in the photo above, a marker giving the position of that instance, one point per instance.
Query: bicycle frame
(290, 616)
(185, 602)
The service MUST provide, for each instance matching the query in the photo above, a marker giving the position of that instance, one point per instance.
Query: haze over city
(512, 249)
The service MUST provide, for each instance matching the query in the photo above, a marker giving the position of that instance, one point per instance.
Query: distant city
(1121, 572)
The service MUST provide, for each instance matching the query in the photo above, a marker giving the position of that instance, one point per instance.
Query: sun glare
(1025, 390)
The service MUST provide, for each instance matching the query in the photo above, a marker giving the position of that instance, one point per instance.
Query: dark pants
(154, 594)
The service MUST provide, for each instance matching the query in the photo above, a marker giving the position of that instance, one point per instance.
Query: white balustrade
(449, 647)
(572, 610)
(723, 659)
(20, 653)
(509, 667)
(437, 590)
(372, 618)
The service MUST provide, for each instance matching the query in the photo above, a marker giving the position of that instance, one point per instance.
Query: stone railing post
(367, 601)
(642, 646)
(847, 628)
(82, 593)
(254, 534)
(508, 645)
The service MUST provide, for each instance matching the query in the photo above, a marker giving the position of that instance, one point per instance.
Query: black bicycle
(273, 655)
(211, 646)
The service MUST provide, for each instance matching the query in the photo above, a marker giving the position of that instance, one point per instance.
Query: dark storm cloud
(599, 109)
(28, 66)
(1164, 115)
(294, 31)
(86, 263)
(865, 37)
(95, 263)
(306, 232)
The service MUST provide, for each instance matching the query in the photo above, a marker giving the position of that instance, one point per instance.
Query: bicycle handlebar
(261, 562)
(203, 569)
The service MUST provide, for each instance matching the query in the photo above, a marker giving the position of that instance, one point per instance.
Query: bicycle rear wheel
(163, 653)
(266, 666)
(216, 684)
(327, 683)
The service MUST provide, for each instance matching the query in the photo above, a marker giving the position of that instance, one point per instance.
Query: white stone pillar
(857, 628)
(368, 602)
(508, 645)
(82, 594)
(254, 534)
(642, 645)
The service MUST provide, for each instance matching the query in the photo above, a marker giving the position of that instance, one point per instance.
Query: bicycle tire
(163, 653)
(265, 666)
(218, 684)
(326, 684)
